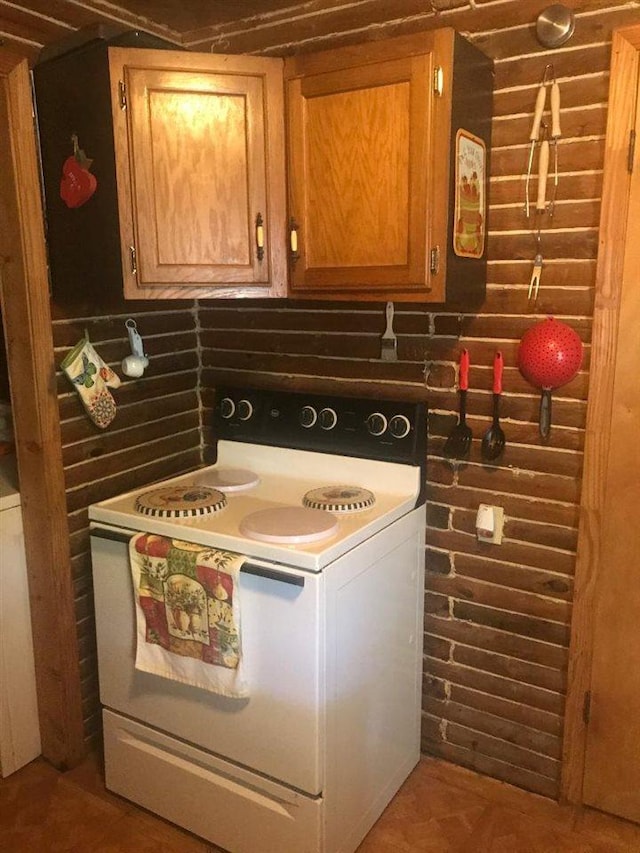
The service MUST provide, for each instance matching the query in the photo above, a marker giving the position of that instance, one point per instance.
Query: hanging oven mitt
(90, 376)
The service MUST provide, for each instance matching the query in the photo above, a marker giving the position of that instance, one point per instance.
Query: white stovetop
(285, 477)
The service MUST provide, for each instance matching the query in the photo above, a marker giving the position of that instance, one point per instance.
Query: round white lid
(289, 525)
(229, 479)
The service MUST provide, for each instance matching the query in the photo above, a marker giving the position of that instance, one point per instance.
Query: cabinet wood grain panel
(199, 167)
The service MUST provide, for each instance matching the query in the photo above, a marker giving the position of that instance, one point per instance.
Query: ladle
(458, 443)
(494, 439)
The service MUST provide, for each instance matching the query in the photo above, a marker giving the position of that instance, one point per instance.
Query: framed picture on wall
(470, 196)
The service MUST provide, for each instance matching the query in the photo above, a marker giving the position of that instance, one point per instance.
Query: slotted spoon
(458, 443)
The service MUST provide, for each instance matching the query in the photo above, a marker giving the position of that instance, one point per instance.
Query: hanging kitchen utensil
(539, 134)
(534, 136)
(389, 342)
(555, 25)
(458, 443)
(541, 207)
(494, 438)
(549, 355)
(555, 136)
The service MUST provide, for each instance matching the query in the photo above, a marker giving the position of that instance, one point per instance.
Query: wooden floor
(440, 809)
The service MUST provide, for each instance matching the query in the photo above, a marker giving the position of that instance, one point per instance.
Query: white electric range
(323, 497)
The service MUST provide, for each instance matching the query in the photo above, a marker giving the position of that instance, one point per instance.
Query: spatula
(458, 443)
(389, 342)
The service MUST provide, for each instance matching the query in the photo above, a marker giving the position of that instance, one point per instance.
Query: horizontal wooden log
(89, 459)
(516, 507)
(566, 214)
(547, 678)
(583, 155)
(142, 475)
(571, 187)
(103, 467)
(140, 391)
(516, 623)
(172, 361)
(578, 122)
(252, 365)
(498, 597)
(514, 576)
(67, 332)
(590, 29)
(550, 535)
(583, 90)
(523, 483)
(489, 638)
(555, 244)
(516, 71)
(24, 24)
(537, 751)
(130, 415)
(562, 272)
(529, 728)
(529, 705)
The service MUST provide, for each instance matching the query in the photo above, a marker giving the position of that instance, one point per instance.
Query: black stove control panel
(389, 430)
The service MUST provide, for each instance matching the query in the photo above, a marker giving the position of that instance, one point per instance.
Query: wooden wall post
(27, 321)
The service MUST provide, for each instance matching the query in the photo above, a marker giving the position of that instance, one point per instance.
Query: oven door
(278, 729)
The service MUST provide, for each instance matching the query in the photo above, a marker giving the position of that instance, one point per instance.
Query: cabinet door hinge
(586, 708)
(434, 260)
(132, 258)
(122, 90)
(632, 150)
(438, 80)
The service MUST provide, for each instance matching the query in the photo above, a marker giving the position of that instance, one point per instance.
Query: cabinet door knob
(260, 236)
(132, 258)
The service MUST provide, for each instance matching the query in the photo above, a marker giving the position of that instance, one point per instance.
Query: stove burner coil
(188, 501)
(339, 499)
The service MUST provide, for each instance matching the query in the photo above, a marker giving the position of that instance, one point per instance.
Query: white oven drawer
(278, 729)
(231, 807)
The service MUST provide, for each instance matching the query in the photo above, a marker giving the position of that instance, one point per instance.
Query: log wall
(497, 618)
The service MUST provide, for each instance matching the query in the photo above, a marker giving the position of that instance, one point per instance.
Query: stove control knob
(399, 426)
(328, 418)
(244, 410)
(376, 423)
(308, 416)
(227, 408)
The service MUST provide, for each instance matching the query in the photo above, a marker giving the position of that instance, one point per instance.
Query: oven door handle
(248, 567)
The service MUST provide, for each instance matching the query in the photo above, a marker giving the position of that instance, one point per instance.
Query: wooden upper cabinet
(371, 148)
(187, 155)
(200, 173)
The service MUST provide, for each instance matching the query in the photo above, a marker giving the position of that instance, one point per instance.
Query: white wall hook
(134, 365)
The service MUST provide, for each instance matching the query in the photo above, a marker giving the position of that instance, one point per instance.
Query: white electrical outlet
(489, 524)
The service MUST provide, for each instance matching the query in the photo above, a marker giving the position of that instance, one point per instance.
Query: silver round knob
(376, 423)
(244, 410)
(328, 418)
(227, 408)
(308, 417)
(399, 426)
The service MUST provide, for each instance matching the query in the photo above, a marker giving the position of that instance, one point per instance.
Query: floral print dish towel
(188, 613)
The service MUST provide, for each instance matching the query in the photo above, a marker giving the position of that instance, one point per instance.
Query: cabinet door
(361, 179)
(200, 174)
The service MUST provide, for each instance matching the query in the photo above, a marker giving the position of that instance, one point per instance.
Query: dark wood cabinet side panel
(73, 97)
